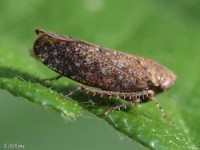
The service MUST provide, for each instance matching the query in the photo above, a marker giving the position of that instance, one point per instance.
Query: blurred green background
(165, 30)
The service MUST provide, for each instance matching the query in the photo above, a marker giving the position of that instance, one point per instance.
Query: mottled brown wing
(129, 64)
(128, 72)
(99, 67)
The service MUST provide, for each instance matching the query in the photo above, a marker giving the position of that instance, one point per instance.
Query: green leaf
(43, 96)
(167, 31)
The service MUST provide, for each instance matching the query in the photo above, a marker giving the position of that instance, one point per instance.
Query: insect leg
(116, 108)
(134, 97)
(99, 92)
(53, 78)
(73, 91)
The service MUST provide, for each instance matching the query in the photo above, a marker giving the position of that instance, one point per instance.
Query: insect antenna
(164, 114)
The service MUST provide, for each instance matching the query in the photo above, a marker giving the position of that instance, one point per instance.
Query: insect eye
(149, 83)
